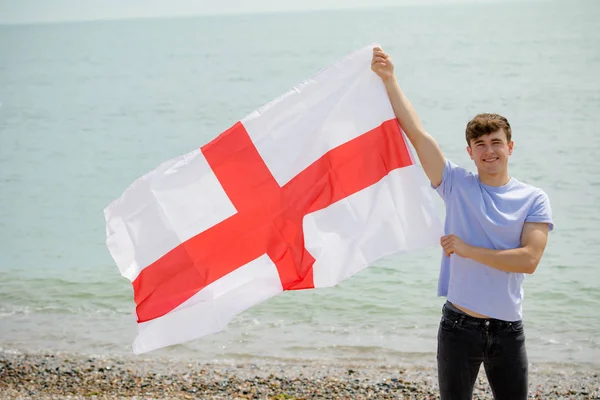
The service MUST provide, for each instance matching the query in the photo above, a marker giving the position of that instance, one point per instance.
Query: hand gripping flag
(302, 193)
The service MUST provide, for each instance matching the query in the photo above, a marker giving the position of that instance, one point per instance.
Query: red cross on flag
(303, 193)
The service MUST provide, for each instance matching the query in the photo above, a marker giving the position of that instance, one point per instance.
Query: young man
(496, 232)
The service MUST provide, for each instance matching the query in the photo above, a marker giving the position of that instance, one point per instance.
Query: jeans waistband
(467, 320)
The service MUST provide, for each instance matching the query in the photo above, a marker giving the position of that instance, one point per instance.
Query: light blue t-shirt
(490, 217)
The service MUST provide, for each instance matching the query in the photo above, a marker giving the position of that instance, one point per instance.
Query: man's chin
(490, 169)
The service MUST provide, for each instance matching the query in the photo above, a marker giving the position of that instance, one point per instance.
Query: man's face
(491, 152)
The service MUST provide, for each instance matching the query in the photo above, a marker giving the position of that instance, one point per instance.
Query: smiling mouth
(490, 160)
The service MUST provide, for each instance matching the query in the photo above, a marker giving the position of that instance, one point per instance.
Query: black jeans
(465, 342)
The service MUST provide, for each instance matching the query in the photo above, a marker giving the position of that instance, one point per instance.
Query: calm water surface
(86, 108)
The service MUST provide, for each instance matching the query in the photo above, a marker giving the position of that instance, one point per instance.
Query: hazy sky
(21, 11)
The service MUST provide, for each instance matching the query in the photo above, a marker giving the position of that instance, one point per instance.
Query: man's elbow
(531, 264)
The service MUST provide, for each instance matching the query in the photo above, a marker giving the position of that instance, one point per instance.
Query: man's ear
(510, 147)
(470, 151)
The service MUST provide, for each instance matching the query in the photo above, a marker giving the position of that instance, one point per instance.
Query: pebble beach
(62, 376)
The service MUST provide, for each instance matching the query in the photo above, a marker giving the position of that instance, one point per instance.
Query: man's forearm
(405, 112)
(427, 149)
(520, 260)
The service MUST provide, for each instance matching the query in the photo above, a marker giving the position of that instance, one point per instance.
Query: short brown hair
(484, 124)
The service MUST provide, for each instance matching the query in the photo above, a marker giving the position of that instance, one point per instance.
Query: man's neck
(499, 179)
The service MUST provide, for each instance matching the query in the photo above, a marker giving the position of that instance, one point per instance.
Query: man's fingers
(448, 248)
(446, 238)
(380, 53)
(378, 60)
(447, 243)
(378, 65)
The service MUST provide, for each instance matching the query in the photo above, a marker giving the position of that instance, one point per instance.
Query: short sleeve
(451, 170)
(541, 211)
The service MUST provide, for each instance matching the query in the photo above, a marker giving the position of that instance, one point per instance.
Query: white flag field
(303, 193)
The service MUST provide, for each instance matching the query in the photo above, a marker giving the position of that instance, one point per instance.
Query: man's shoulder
(538, 204)
(527, 189)
(459, 172)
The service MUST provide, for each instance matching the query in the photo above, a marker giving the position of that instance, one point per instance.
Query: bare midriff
(469, 312)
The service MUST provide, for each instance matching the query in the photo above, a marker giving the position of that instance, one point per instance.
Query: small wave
(3, 314)
(30, 310)
(10, 351)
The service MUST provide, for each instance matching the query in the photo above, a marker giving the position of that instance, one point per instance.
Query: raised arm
(427, 149)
